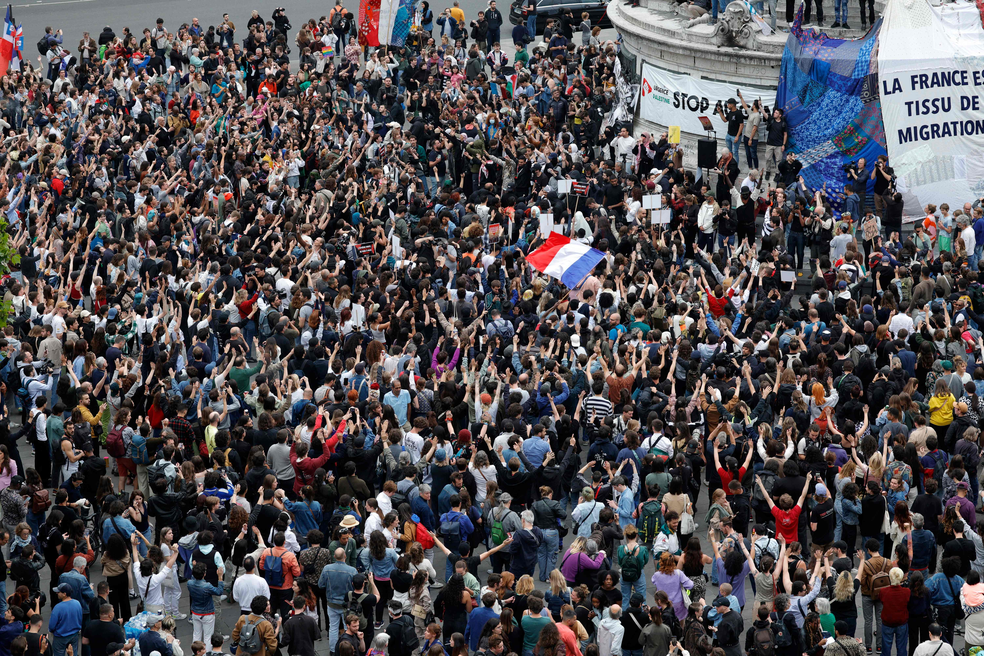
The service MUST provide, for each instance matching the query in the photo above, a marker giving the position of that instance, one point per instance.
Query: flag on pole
(18, 59)
(567, 260)
(7, 43)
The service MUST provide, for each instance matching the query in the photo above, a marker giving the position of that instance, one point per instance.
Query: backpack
(763, 642)
(40, 501)
(355, 607)
(336, 21)
(939, 466)
(976, 293)
(114, 443)
(138, 450)
(649, 517)
(783, 637)
(880, 580)
(43, 45)
(768, 480)
(424, 536)
(498, 533)
(162, 469)
(450, 532)
(249, 638)
(629, 562)
(273, 569)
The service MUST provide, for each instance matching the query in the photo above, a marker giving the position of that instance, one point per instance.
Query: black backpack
(43, 45)
(355, 607)
(763, 642)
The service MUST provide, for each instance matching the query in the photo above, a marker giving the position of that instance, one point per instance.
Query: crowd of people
(273, 344)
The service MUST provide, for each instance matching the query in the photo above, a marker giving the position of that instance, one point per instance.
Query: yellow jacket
(941, 409)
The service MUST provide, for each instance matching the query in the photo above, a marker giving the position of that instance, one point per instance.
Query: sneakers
(846, 26)
(378, 625)
(836, 24)
(223, 597)
(179, 617)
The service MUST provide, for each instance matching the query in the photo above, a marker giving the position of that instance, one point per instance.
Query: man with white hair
(610, 633)
(81, 588)
(524, 546)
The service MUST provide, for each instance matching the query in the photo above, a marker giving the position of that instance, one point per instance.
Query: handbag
(687, 523)
(886, 523)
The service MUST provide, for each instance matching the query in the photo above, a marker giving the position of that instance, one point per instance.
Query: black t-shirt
(963, 549)
(791, 486)
(736, 119)
(823, 517)
(930, 507)
(100, 634)
(776, 130)
(881, 184)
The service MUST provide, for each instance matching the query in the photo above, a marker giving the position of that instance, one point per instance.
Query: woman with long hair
(901, 522)
(549, 643)
(558, 594)
(116, 567)
(692, 564)
(843, 603)
(420, 603)
(732, 568)
(382, 561)
(920, 611)
(453, 604)
(171, 587)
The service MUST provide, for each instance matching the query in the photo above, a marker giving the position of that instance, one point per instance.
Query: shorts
(126, 466)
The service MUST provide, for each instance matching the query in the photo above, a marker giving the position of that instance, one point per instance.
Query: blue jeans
(840, 11)
(627, 590)
(335, 616)
(975, 259)
(726, 239)
(546, 553)
(3, 597)
(35, 520)
(730, 141)
(59, 644)
(901, 636)
(631, 652)
(531, 26)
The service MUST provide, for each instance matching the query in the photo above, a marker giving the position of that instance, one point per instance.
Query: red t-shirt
(726, 478)
(787, 522)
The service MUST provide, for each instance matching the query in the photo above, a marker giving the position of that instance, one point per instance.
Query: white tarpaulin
(931, 80)
(674, 99)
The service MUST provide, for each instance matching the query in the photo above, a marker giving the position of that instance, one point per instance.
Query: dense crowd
(274, 345)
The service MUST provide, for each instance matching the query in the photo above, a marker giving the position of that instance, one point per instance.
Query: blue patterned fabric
(401, 24)
(828, 90)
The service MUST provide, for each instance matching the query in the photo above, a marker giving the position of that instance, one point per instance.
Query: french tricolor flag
(7, 42)
(567, 260)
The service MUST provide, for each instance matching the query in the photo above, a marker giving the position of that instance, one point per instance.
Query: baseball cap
(64, 588)
(821, 490)
(722, 601)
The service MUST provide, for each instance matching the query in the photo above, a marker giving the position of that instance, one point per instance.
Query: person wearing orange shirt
(279, 566)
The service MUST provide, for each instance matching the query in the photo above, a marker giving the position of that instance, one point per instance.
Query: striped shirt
(601, 406)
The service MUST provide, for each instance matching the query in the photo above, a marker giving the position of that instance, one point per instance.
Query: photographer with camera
(884, 179)
(857, 181)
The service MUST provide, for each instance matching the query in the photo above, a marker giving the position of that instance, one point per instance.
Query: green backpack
(649, 518)
(630, 563)
(498, 533)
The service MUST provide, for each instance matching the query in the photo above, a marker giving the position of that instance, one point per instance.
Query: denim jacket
(200, 593)
(850, 511)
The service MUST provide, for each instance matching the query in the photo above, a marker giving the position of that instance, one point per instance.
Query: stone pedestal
(732, 51)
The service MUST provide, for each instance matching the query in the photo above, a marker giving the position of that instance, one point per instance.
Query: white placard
(787, 276)
(652, 202)
(397, 249)
(546, 224)
(661, 217)
(564, 186)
